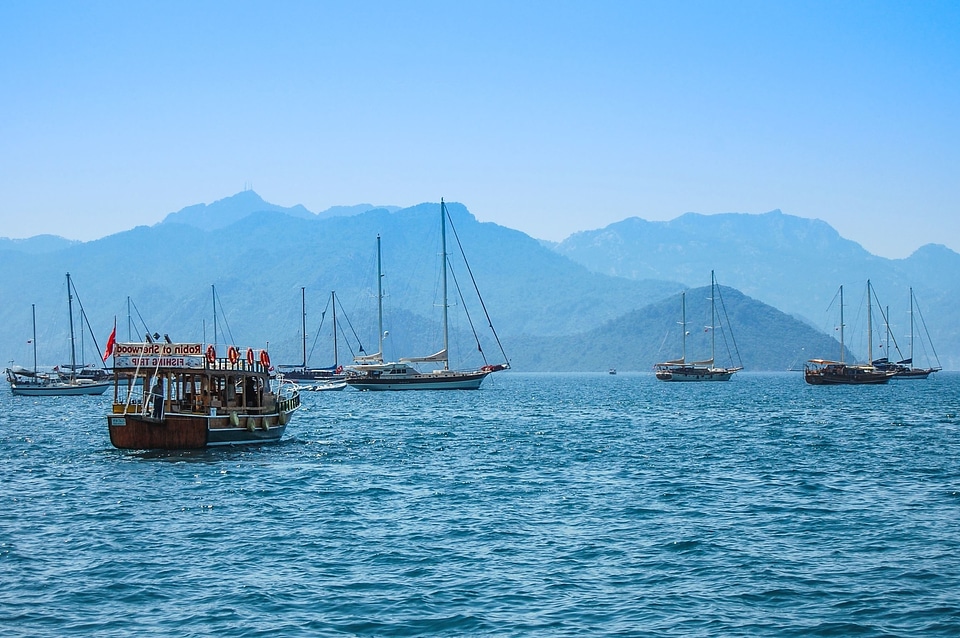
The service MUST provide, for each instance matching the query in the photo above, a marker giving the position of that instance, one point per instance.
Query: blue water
(555, 505)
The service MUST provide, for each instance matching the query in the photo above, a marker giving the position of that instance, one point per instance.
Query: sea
(540, 505)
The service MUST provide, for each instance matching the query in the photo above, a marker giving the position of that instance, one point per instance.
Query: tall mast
(303, 322)
(869, 326)
(73, 350)
(129, 338)
(713, 320)
(911, 327)
(683, 326)
(379, 302)
(841, 323)
(333, 302)
(213, 291)
(443, 257)
(33, 308)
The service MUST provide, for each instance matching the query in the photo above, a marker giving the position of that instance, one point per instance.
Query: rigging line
(456, 284)
(223, 315)
(475, 287)
(927, 332)
(352, 329)
(139, 316)
(83, 318)
(316, 338)
(726, 320)
(886, 323)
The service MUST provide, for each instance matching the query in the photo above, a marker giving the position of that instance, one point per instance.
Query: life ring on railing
(339, 370)
(250, 356)
(211, 353)
(264, 359)
(233, 354)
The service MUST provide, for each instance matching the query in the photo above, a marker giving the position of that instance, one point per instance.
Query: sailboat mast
(911, 326)
(303, 323)
(841, 324)
(379, 302)
(213, 291)
(333, 302)
(33, 308)
(683, 326)
(129, 322)
(713, 319)
(869, 326)
(443, 257)
(73, 349)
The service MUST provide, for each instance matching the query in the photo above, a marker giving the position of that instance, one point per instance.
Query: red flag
(111, 341)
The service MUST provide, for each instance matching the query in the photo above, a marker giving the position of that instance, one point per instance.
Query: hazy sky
(546, 117)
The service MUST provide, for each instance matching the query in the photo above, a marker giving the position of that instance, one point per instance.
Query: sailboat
(904, 368)
(371, 372)
(26, 382)
(828, 372)
(683, 370)
(316, 379)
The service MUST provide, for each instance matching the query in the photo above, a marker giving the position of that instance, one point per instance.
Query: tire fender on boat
(234, 419)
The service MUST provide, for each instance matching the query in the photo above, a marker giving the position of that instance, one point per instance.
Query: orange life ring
(264, 359)
(211, 353)
(249, 356)
(233, 354)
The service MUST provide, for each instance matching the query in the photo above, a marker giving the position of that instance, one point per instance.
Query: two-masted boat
(311, 378)
(707, 370)
(371, 372)
(75, 379)
(828, 372)
(906, 368)
(175, 396)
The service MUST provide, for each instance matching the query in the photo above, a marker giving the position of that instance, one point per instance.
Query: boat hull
(815, 377)
(58, 389)
(186, 432)
(429, 381)
(694, 374)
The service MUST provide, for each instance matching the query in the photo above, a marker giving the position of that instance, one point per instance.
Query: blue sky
(546, 117)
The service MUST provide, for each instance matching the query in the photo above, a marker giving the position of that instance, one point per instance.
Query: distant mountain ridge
(789, 262)
(229, 210)
(587, 300)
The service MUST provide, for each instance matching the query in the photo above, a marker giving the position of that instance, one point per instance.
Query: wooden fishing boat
(174, 396)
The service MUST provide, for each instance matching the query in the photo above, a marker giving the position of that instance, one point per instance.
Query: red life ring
(233, 354)
(249, 356)
(264, 359)
(339, 370)
(211, 353)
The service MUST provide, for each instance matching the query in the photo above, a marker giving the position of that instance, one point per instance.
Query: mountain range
(599, 299)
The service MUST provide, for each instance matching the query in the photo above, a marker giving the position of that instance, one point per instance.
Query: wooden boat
(74, 380)
(827, 372)
(371, 372)
(195, 397)
(683, 370)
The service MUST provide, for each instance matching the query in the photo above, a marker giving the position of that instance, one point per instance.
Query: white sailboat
(371, 372)
(683, 370)
(26, 382)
